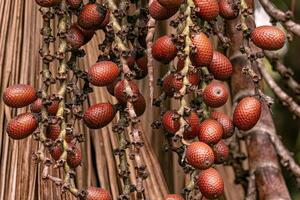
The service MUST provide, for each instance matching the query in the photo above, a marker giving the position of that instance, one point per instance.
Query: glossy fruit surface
(210, 183)
(52, 108)
(95, 193)
(106, 20)
(215, 94)
(99, 115)
(227, 10)
(139, 105)
(141, 63)
(111, 87)
(164, 50)
(210, 131)
(53, 131)
(19, 95)
(220, 66)
(75, 37)
(170, 3)
(103, 73)
(56, 151)
(48, 3)
(204, 50)
(221, 152)
(225, 121)
(159, 12)
(268, 37)
(170, 124)
(208, 9)
(87, 33)
(120, 94)
(74, 158)
(200, 155)
(171, 85)
(74, 4)
(247, 113)
(193, 121)
(91, 16)
(21, 126)
(173, 197)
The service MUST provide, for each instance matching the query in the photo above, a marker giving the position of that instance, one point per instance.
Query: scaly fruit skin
(48, 3)
(210, 131)
(204, 53)
(111, 87)
(74, 4)
(139, 105)
(99, 115)
(106, 20)
(36, 107)
(200, 155)
(193, 121)
(56, 151)
(225, 121)
(94, 193)
(120, 88)
(210, 183)
(92, 16)
(268, 37)
(103, 73)
(170, 3)
(87, 33)
(19, 95)
(171, 85)
(21, 126)
(221, 152)
(226, 9)
(74, 158)
(220, 66)
(215, 94)
(169, 124)
(75, 37)
(164, 50)
(208, 9)
(142, 66)
(159, 12)
(53, 131)
(173, 197)
(247, 113)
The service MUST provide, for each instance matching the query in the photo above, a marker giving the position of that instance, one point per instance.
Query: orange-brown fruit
(120, 94)
(111, 87)
(204, 50)
(173, 197)
(75, 37)
(247, 113)
(170, 3)
(169, 124)
(220, 66)
(95, 193)
(56, 151)
(210, 131)
(87, 33)
(221, 152)
(193, 121)
(21, 126)
(210, 183)
(92, 16)
(19, 95)
(74, 4)
(225, 121)
(99, 115)
(74, 157)
(200, 155)
(227, 10)
(215, 94)
(139, 105)
(171, 85)
(52, 108)
(103, 73)
(159, 12)
(53, 131)
(268, 37)
(48, 3)
(207, 9)
(142, 66)
(164, 50)
(106, 20)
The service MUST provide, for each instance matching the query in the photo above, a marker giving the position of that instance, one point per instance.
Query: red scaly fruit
(74, 157)
(56, 151)
(99, 115)
(21, 126)
(171, 85)
(52, 108)
(210, 183)
(103, 73)
(111, 87)
(169, 4)
(53, 131)
(169, 124)
(19, 95)
(200, 155)
(74, 4)
(227, 10)
(87, 33)
(225, 121)
(221, 152)
(139, 105)
(75, 37)
(120, 94)
(247, 113)
(164, 50)
(159, 12)
(173, 197)
(92, 16)
(48, 3)
(204, 50)
(220, 66)
(106, 20)
(142, 66)
(210, 131)
(268, 37)
(95, 193)
(215, 94)
(207, 9)
(193, 121)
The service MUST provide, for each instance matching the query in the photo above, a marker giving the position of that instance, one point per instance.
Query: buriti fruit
(227, 10)
(21, 126)
(215, 94)
(75, 37)
(170, 3)
(139, 105)
(99, 115)
(193, 122)
(207, 9)
(221, 152)
(53, 131)
(204, 50)
(87, 33)
(170, 124)
(200, 155)
(225, 121)
(74, 157)
(94, 193)
(268, 37)
(36, 107)
(92, 16)
(247, 113)
(48, 3)
(19, 95)
(173, 197)
(210, 183)
(159, 12)
(164, 50)
(103, 73)
(56, 151)
(210, 131)
(120, 94)
(74, 4)
(220, 66)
